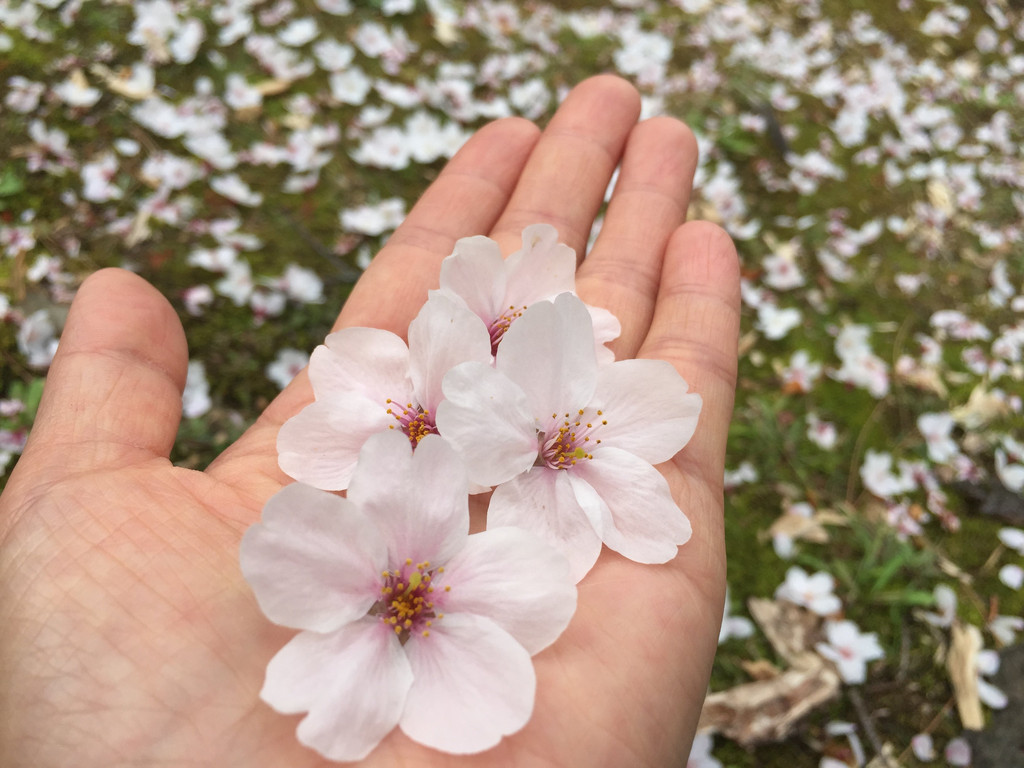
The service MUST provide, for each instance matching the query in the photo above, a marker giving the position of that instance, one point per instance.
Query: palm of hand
(128, 634)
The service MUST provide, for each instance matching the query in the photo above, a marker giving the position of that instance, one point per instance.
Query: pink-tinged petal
(542, 502)
(472, 685)
(353, 682)
(648, 409)
(314, 560)
(321, 443)
(365, 360)
(475, 273)
(606, 328)
(991, 696)
(513, 578)
(549, 353)
(443, 335)
(639, 518)
(486, 419)
(416, 499)
(542, 269)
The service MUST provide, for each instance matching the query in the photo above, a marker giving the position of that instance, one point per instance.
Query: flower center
(407, 601)
(501, 324)
(569, 439)
(415, 422)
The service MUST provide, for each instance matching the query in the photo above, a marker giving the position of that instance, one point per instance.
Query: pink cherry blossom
(406, 619)
(367, 380)
(812, 592)
(850, 649)
(571, 445)
(499, 290)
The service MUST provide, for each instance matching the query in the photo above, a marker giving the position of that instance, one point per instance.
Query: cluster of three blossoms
(505, 384)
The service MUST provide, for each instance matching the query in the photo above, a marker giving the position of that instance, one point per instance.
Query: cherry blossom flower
(812, 592)
(936, 428)
(366, 380)
(822, 433)
(499, 290)
(570, 444)
(286, 366)
(850, 649)
(406, 620)
(801, 373)
(775, 323)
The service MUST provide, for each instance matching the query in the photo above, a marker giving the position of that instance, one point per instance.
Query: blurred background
(249, 158)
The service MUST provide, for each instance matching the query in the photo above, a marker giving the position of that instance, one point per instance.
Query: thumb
(113, 394)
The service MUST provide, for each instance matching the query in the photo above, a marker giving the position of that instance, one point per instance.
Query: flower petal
(320, 444)
(486, 419)
(639, 518)
(366, 360)
(472, 684)
(353, 682)
(549, 353)
(513, 578)
(649, 411)
(542, 501)
(417, 499)
(475, 273)
(441, 336)
(314, 560)
(542, 269)
(606, 328)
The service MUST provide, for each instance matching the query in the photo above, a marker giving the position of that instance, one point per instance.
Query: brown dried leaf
(962, 663)
(761, 669)
(769, 710)
(788, 628)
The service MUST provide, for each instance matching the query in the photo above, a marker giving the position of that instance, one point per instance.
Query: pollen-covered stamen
(570, 439)
(503, 323)
(415, 422)
(407, 600)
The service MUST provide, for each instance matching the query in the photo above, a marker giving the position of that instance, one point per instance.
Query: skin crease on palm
(127, 634)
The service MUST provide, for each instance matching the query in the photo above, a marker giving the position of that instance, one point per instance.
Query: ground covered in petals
(249, 158)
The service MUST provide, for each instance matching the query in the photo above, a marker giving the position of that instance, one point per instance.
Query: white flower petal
(549, 353)
(516, 580)
(639, 518)
(991, 696)
(606, 328)
(542, 269)
(366, 360)
(486, 418)
(320, 444)
(648, 409)
(1012, 575)
(443, 335)
(353, 682)
(472, 684)
(417, 499)
(475, 273)
(542, 501)
(314, 560)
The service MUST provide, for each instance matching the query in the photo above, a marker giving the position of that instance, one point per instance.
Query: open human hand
(127, 633)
